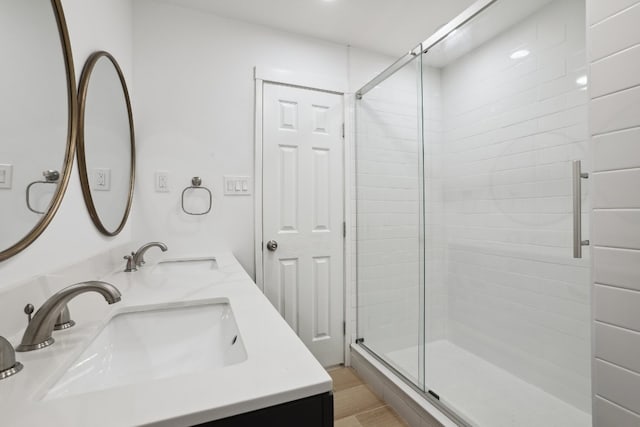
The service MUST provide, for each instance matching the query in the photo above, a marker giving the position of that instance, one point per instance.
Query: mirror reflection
(35, 109)
(106, 147)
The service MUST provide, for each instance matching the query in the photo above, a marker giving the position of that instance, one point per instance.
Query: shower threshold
(485, 393)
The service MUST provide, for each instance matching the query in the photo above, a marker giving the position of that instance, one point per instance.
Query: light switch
(6, 172)
(162, 182)
(237, 185)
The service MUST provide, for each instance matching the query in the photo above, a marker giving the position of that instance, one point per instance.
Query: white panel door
(303, 212)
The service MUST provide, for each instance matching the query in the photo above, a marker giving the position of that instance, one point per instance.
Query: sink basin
(186, 266)
(147, 345)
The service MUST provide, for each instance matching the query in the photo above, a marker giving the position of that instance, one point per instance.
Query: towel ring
(196, 184)
(50, 177)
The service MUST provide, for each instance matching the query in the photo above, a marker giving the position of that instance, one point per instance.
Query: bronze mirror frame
(72, 128)
(85, 79)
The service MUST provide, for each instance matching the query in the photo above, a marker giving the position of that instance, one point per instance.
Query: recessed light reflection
(519, 54)
(582, 81)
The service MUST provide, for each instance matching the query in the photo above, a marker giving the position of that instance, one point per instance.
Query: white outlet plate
(237, 185)
(162, 182)
(101, 179)
(6, 175)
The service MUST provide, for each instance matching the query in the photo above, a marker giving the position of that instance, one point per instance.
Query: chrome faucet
(8, 364)
(40, 328)
(138, 256)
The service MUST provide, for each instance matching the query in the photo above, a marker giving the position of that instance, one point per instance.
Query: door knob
(272, 245)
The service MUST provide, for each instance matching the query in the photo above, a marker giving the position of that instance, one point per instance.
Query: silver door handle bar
(578, 176)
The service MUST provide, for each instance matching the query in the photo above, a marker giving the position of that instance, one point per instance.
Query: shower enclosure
(468, 221)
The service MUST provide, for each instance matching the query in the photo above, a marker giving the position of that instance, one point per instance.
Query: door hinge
(343, 131)
(344, 328)
(344, 229)
(262, 246)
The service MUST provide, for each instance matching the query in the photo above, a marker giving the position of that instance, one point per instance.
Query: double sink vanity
(192, 341)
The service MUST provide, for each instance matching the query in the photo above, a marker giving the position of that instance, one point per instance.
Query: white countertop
(278, 369)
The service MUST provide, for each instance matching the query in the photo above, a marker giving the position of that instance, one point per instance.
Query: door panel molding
(323, 312)
(261, 76)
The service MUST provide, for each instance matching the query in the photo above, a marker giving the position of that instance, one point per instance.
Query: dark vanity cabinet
(314, 411)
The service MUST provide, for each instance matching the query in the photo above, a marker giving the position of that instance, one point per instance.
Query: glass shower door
(467, 285)
(508, 319)
(390, 221)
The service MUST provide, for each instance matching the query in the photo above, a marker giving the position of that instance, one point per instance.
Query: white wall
(194, 86)
(71, 236)
(193, 118)
(614, 56)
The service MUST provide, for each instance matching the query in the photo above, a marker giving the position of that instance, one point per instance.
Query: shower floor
(486, 394)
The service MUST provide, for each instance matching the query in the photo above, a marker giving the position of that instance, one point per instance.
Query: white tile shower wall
(388, 212)
(614, 43)
(511, 128)
(436, 291)
(71, 236)
(395, 329)
(357, 77)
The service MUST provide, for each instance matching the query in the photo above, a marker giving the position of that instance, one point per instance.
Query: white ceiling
(386, 26)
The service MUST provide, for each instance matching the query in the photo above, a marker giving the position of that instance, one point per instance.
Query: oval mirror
(106, 143)
(38, 109)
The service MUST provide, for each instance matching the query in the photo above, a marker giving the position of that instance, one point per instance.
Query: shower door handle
(578, 176)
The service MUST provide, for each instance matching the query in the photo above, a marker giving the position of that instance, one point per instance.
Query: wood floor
(356, 406)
